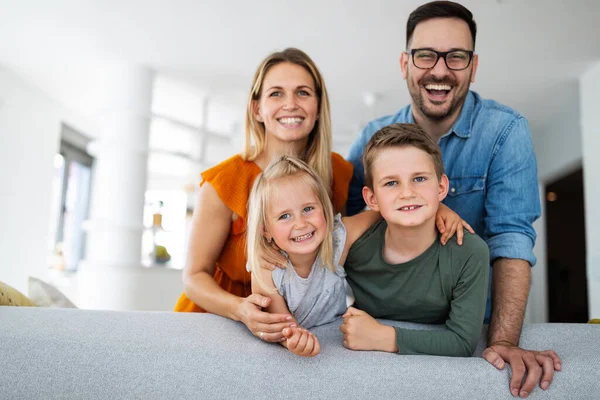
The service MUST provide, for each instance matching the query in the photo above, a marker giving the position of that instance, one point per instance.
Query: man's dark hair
(440, 9)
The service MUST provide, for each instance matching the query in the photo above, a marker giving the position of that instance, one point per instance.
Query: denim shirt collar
(462, 126)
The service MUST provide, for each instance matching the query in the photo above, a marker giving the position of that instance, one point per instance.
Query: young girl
(290, 213)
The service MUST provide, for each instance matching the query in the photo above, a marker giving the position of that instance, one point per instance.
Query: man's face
(439, 93)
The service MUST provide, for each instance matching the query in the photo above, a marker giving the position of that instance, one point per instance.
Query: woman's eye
(284, 216)
(309, 208)
(275, 94)
(303, 93)
(420, 179)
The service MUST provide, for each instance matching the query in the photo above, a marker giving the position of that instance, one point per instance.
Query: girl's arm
(448, 223)
(204, 250)
(296, 339)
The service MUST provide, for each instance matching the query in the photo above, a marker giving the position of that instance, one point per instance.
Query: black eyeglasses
(456, 60)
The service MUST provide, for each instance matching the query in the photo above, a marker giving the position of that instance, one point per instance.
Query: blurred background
(109, 110)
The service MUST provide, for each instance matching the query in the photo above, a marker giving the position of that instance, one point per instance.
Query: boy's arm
(356, 225)
(467, 310)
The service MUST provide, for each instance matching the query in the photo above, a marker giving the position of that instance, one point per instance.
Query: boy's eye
(308, 208)
(284, 216)
(420, 179)
(391, 183)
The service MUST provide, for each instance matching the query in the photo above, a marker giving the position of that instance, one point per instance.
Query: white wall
(29, 137)
(558, 149)
(590, 127)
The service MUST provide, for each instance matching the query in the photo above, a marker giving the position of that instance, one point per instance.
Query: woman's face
(288, 105)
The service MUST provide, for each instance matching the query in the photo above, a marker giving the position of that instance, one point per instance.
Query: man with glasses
(488, 156)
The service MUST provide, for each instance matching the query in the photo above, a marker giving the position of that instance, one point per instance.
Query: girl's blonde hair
(318, 149)
(265, 186)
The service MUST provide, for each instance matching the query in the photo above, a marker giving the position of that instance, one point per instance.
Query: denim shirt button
(453, 190)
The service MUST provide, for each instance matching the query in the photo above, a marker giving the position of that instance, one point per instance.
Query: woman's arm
(204, 250)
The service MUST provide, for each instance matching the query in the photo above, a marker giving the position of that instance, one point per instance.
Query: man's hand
(301, 342)
(537, 364)
(262, 324)
(363, 332)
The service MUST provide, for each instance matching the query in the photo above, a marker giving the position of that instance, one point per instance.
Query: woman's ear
(256, 111)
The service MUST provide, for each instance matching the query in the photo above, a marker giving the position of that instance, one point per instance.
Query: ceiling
(529, 49)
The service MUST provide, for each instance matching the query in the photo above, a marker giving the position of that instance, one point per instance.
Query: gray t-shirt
(321, 297)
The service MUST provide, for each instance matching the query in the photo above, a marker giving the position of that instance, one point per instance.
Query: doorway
(565, 232)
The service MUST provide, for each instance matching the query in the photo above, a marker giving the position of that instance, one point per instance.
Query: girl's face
(288, 105)
(295, 218)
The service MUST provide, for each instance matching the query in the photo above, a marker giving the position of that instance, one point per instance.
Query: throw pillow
(45, 295)
(10, 296)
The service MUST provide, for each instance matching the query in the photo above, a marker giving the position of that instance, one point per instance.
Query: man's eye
(309, 208)
(420, 179)
(284, 216)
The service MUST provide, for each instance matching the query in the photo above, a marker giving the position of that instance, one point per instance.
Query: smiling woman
(287, 113)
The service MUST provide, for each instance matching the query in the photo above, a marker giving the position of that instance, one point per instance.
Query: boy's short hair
(400, 135)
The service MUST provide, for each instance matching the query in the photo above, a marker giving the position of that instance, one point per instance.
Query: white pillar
(108, 276)
(590, 132)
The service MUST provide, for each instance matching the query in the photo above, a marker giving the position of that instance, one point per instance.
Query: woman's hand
(265, 325)
(301, 342)
(448, 223)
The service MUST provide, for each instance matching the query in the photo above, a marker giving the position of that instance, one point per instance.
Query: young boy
(398, 269)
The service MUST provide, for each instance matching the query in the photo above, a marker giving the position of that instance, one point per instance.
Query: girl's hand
(301, 342)
(262, 324)
(448, 223)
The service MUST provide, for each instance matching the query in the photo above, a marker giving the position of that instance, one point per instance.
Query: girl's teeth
(303, 237)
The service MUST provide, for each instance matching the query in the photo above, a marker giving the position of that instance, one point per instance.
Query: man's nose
(440, 68)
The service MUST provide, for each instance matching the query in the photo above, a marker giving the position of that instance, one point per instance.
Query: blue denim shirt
(489, 159)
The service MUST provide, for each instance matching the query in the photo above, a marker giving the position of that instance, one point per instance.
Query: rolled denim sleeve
(512, 202)
(356, 203)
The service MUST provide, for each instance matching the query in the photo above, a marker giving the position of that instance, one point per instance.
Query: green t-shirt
(444, 285)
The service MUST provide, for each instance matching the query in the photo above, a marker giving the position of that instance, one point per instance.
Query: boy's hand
(301, 342)
(363, 332)
(448, 223)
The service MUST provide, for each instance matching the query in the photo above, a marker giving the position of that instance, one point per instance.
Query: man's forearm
(510, 288)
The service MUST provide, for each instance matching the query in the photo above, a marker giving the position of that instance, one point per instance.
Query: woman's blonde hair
(318, 149)
(263, 190)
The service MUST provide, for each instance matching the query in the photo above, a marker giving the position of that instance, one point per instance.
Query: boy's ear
(370, 199)
(443, 187)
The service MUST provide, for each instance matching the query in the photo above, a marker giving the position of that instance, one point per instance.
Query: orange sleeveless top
(232, 180)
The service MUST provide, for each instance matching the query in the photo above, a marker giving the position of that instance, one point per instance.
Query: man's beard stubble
(419, 100)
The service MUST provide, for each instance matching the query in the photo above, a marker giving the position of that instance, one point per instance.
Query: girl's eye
(307, 209)
(391, 183)
(284, 216)
(420, 179)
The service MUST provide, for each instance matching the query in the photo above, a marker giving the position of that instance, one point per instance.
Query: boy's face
(406, 190)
